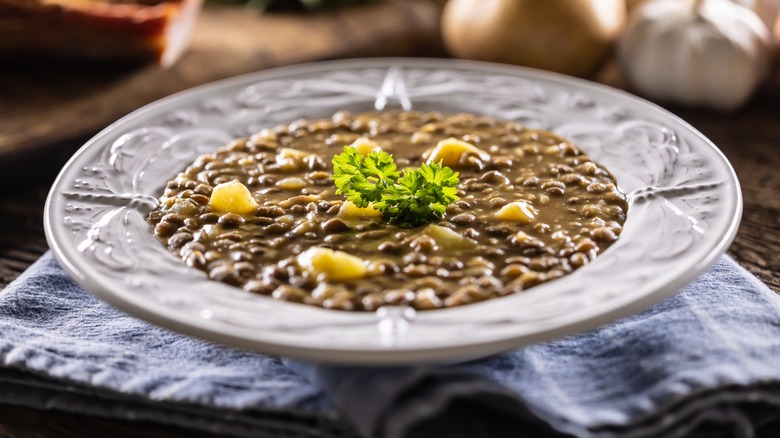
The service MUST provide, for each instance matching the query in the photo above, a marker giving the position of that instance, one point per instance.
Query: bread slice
(132, 30)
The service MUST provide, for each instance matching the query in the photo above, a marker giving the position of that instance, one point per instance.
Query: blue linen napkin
(709, 353)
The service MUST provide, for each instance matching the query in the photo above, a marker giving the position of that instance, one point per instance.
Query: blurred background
(71, 67)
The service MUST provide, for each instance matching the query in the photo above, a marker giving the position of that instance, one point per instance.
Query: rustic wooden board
(44, 102)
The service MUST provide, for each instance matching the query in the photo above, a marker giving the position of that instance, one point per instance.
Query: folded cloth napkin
(706, 355)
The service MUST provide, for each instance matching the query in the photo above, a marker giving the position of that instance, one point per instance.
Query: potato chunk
(292, 183)
(328, 264)
(232, 197)
(350, 210)
(520, 211)
(290, 154)
(447, 238)
(289, 159)
(365, 145)
(449, 151)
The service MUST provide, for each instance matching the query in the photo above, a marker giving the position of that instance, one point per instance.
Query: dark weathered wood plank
(17, 422)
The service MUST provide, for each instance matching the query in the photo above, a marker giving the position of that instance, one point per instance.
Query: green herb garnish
(417, 197)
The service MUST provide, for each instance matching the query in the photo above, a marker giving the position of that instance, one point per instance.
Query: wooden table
(749, 139)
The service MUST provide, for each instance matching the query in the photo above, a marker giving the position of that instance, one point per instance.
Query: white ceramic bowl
(685, 206)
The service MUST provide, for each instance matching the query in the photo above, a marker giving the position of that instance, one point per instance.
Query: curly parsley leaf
(417, 197)
(363, 179)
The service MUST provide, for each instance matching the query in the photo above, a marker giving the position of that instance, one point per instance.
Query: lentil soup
(262, 213)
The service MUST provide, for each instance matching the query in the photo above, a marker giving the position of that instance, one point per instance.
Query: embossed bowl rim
(445, 335)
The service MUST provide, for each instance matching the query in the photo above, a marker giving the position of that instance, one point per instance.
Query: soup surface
(532, 208)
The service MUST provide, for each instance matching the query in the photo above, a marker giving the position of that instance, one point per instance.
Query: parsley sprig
(417, 197)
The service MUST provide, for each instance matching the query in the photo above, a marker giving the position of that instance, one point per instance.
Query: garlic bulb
(712, 53)
(767, 10)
